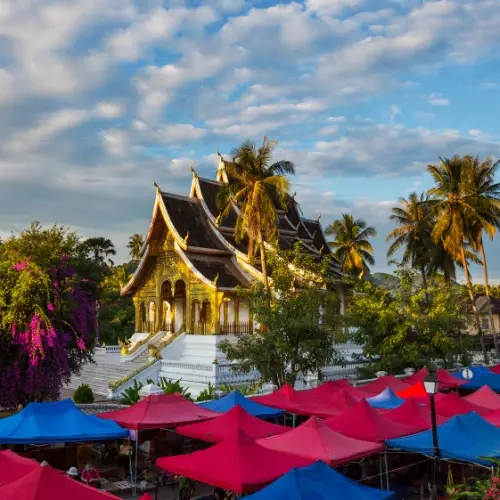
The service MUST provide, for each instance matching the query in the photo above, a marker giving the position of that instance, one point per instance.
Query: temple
(192, 265)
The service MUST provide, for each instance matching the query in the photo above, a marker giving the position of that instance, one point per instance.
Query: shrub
(207, 394)
(83, 394)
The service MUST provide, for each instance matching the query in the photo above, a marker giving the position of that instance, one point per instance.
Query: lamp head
(431, 383)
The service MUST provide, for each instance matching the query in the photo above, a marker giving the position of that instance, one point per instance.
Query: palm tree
(413, 232)
(455, 212)
(135, 244)
(100, 248)
(352, 248)
(258, 187)
(485, 195)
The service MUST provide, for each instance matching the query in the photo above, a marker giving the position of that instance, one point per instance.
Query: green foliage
(83, 394)
(170, 386)
(135, 244)
(480, 488)
(294, 335)
(207, 394)
(116, 313)
(410, 325)
(351, 246)
(99, 249)
(130, 395)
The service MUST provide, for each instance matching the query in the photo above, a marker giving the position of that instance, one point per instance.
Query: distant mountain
(386, 280)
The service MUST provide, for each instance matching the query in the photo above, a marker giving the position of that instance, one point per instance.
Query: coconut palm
(455, 213)
(485, 195)
(135, 244)
(259, 188)
(100, 248)
(351, 245)
(412, 233)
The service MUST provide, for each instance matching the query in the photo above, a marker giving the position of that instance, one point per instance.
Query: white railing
(150, 372)
(142, 349)
(113, 349)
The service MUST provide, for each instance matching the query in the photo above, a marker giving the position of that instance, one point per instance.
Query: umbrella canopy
(446, 381)
(469, 438)
(414, 414)
(382, 383)
(236, 398)
(224, 427)
(45, 483)
(485, 397)
(417, 390)
(60, 421)
(13, 466)
(328, 388)
(452, 404)
(316, 441)
(238, 464)
(155, 412)
(386, 400)
(320, 482)
(285, 398)
(480, 376)
(495, 369)
(366, 423)
(333, 405)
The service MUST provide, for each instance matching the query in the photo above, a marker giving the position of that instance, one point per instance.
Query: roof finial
(185, 241)
(156, 185)
(293, 195)
(318, 217)
(193, 172)
(216, 279)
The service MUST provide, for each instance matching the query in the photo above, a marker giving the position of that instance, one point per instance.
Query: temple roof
(209, 190)
(222, 270)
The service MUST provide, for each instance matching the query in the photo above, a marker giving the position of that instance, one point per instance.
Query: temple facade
(192, 265)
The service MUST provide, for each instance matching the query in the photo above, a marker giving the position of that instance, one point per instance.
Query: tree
(485, 193)
(297, 333)
(47, 314)
(259, 188)
(100, 248)
(455, 212)
(412, 233)
(351, 245)
(411, 325)
(135, 244)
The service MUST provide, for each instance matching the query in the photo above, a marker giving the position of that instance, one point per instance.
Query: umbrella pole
(380, 471)
(294, 420)
(136, 455)
(386, 470)
(130, 461)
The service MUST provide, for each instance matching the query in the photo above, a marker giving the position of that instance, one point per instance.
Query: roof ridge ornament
(158, 190)
(318, 218)
(216, 279)
(185, 240)
(193, 171)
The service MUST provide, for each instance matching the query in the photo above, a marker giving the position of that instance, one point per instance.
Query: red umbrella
(146, 496)
(285, 398)
(416, 390)
(382, 383)
(45, 483)
(452, 404)
(485, 397)
(13, 466)
(314, 440)
(155, 412)
(224, 427)
(414, 414)
(366, 423)
(238, 464)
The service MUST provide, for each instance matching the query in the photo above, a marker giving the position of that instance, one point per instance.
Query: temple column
(215, 304)
(137, 307)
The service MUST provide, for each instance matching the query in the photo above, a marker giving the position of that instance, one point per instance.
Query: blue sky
(98, 99)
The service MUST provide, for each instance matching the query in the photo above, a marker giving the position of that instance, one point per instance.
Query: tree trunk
(473, 302)
(424, 277)
(487, 292)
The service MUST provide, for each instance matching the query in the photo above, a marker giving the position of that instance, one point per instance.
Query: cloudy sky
(100, 98)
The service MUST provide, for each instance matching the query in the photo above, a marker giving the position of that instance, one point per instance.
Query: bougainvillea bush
(47, 324)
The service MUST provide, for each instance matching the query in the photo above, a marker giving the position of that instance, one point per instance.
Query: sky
(98, 99)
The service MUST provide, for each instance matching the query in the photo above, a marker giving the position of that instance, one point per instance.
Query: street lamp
(431, 386)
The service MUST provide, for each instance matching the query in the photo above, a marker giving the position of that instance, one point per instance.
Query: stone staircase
(97, 375)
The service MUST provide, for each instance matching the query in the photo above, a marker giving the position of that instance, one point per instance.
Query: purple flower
(50, 306)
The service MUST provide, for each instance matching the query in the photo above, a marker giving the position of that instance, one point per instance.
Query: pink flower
(50, 306)
(81, 345)
(20, 265)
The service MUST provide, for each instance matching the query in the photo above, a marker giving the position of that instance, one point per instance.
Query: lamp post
(431, 386)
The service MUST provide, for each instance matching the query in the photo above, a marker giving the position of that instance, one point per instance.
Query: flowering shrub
(47, 327)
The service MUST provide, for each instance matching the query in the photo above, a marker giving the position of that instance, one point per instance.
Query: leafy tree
(116, 312)
(298, 325)
(100, 249)
(135, 244)
(351, 245)
(259, 188)
(458, 214)
(47, 314)
(411, 325)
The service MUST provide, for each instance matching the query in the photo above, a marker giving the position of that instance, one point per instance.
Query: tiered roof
(207, 243)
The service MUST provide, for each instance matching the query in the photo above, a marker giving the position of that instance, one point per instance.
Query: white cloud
(109, 109)
(180, 132)
(474, 132)
(330, 130)
(438, 100)
(395, 111)
(336, 119)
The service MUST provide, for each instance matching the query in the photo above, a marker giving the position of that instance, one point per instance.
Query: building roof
(483, 306)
